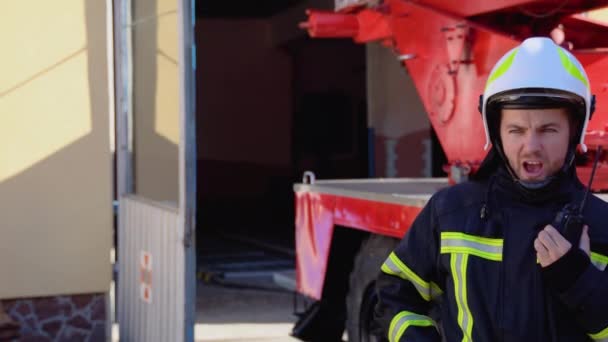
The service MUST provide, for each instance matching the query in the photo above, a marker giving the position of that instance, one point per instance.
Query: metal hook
(308, 177)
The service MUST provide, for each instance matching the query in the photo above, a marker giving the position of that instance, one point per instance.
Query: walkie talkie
(569, 221)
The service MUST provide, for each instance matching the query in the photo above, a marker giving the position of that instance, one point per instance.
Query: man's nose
(532, 143)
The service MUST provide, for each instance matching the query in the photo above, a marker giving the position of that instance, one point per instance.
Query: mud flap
(320, 322)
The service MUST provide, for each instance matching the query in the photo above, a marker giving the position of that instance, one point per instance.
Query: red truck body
(381, 206)
(449, 48)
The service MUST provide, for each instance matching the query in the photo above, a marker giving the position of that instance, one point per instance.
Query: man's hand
(550, 245)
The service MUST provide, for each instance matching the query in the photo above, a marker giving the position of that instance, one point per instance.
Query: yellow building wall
(156, 99)
(55, 158)
(601, 15)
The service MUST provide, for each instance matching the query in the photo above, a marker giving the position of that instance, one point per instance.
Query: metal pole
(187, 157)
(124, 97)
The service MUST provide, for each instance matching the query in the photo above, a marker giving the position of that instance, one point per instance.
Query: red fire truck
(345, 229)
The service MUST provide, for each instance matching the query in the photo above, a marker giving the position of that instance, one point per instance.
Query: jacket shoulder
(595, 212)
(459, 196)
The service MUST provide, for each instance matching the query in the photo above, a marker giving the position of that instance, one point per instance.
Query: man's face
(535, 141)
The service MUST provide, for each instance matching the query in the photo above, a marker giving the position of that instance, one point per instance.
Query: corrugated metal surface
(153, 228)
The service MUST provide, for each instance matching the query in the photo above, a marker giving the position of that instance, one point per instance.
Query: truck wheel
(361, 298)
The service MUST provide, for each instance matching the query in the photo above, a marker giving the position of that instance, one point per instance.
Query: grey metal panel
(407, 191)
(603, 197)
(342, 4)
(152, 227)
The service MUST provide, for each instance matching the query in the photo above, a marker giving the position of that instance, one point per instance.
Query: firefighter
(483, 260)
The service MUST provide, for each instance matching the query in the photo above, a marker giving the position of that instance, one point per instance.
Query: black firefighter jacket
(467, 269)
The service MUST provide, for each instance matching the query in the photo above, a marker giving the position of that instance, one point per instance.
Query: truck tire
(361, 298)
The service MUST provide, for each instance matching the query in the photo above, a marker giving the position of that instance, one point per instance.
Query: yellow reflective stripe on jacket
(600, 336)
(394, 266)
(600, 261)
(458, 265)
(461, 246)
(405, 319)
(487, 248)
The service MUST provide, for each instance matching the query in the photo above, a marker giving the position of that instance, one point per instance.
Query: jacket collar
(564, 187)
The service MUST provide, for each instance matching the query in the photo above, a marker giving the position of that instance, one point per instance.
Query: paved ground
(251, 306)
(241, 315)
(242, 295)
(231, 314)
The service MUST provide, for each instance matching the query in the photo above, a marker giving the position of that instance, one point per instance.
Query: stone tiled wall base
(62, 318)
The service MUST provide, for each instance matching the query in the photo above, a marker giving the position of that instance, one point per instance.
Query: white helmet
(537, 74)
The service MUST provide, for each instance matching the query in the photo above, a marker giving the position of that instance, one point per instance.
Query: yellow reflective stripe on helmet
(600, 336)
(394, 266)
(571, 68)
(600, 261)
(487, 248)
(458, 265)
(404, 320)
(502, 68)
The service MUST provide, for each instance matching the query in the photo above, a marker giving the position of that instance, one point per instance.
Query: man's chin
(532, 179)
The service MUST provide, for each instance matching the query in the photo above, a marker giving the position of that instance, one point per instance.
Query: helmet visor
(536, 98)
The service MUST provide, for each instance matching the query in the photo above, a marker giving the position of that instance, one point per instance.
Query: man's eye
(514, 131)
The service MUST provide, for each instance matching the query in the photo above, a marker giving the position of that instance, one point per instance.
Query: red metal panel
(452, 60)
(314, 231)
(596, 65)
(375, 217)
(363, 26)
(325, 24)
(474, 7)
(532, 8)
(585, 33)
(316, 215)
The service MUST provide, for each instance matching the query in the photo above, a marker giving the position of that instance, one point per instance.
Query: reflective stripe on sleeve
(487, 248)
(394, 266)
(600, 261)
(601, 336)
(405, 319)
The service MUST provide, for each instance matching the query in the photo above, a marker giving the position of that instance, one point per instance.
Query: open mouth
(533, 167)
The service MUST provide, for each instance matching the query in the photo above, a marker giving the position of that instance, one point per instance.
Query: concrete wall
(155, 99)
(55, 157)
(397, 117)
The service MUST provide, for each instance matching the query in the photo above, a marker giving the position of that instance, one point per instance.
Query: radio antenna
(597, 158)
